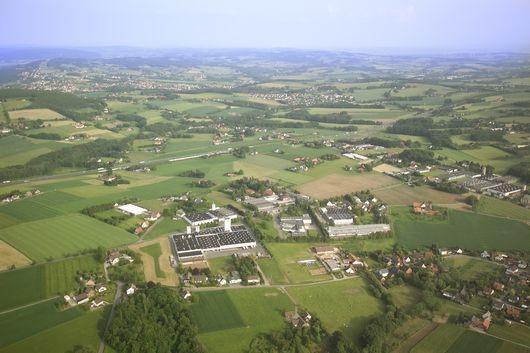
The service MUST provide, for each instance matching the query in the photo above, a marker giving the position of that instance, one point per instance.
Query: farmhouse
(357, 230)
(97, 303)
(189, 246)
(235, 278)
(81, 298)
(253, 279)
(356, 156)
(332, 265)
(262, 204)
(132, 210)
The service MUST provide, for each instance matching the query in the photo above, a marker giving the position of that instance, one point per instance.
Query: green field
(514, 332)
(155, 252)
(22, 323)
(61, 338)
(221, 265)
(286, 256)
(34, 283)
(58, 236)
(253, 310)
(462, 229)
(439, 340)
(215, 311)
(272, 271)
(470, 268)
(501, 208)
(341, 305)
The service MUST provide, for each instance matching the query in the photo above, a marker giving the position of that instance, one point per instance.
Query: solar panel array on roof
(215, 238)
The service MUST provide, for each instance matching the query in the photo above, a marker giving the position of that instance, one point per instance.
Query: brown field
(34, 114)
(318, 272)
(10, 256)
(405, 195)
(386, 168)
(149, 266)
(335, 184)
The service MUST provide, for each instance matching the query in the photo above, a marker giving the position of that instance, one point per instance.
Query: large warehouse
(192, 246)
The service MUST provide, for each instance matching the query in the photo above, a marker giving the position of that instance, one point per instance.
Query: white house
(101, 289)
(235, 278)
(131, 290)
(97, 303)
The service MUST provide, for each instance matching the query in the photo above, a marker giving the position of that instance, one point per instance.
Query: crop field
(58, 236)
(257, 310)
(9, 257)
(341, 305)
(403, 195)
(439, 340)
(335, 185)
(82, 330)
(19, 324)
(18, 150)
(473, 342)
(514, 332)
(34, 114)
(470, 268)
(155, 251)
(286, 256)
(35, 283)
(501, 208)
(463, 229)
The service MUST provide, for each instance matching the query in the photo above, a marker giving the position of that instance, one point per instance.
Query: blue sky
(440, 25)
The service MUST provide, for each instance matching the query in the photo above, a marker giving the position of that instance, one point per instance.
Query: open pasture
(342, 305)
(439, 340)
(287, 256)
(501, 208)
(35, 114)
(215, 311)
(461, 229)
(59, 236)
(257, 310)
(335, 184)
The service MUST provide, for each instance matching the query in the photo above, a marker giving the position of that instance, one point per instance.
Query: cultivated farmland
(58, 236)
(461, 229)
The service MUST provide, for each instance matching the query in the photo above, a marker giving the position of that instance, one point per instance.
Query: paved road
(111, 315)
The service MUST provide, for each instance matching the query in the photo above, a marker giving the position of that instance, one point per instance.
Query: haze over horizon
(380, 25)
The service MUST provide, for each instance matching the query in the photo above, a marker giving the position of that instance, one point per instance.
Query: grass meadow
(470, 268)
(250, 311)
(341, 305)
(461, 229)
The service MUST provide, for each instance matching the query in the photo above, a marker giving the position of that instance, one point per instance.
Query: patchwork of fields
(38, 282)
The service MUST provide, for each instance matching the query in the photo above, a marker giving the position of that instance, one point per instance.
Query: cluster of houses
(233, 279)
(115, 258)
(335, 262)
(137, 211)
(304, 163)
(92, 292)
(20, 195)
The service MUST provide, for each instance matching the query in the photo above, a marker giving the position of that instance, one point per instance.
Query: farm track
(28, 305)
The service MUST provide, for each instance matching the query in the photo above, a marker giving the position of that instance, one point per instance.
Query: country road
(111, 315)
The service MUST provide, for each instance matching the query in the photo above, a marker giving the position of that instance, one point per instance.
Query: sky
(424, 25)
